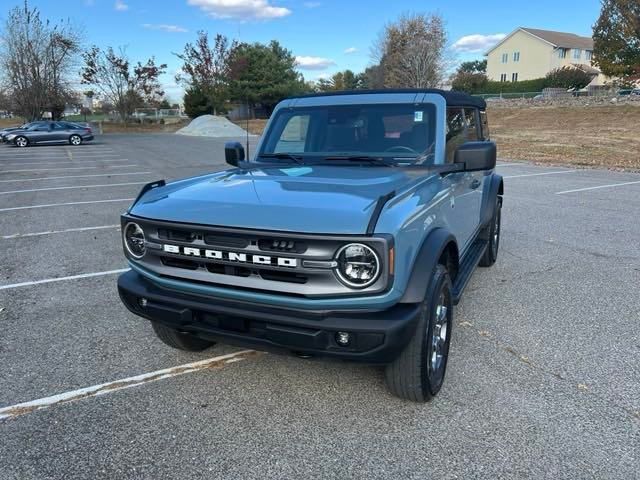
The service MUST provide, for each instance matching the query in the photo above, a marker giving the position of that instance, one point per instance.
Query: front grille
(254, 260)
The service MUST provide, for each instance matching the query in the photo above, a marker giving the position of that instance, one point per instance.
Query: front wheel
(75, 140)
(180, 340)
(21, 141)
(418, 372)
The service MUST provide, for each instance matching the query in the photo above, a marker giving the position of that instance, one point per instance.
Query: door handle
(475, 184)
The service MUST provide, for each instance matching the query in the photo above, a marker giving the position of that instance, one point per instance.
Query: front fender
(427, 258)
(495, 187)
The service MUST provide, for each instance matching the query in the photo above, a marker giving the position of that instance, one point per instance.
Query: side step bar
(467, 267)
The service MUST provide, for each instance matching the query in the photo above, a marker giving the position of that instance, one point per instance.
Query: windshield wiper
(362, 158)
(284, 156)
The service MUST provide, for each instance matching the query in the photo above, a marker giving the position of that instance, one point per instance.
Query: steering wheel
(400, 148)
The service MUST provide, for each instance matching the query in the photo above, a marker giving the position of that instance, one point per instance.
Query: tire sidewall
(439, 281)
(496, 222)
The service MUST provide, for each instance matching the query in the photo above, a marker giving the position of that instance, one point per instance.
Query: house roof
(557, 39)
(562, 39)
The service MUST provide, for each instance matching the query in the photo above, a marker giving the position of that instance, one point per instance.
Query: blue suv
(351, 234)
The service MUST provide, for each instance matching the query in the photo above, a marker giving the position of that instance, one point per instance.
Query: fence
(553, 93)
(158, 113)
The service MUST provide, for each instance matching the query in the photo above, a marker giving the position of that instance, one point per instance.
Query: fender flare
(495, 188)
(425, 263)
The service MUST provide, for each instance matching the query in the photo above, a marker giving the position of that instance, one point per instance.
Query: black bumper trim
(378, 336)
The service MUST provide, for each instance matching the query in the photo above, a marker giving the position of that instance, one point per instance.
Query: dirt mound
(212, 126)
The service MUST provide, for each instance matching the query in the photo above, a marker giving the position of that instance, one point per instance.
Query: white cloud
(164, 27)
(240, 9)
(477, 43)
(350, 50)
(312, 4)
(314, 63)
(121, 6)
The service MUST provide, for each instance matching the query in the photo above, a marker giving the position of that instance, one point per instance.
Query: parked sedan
(49, 132)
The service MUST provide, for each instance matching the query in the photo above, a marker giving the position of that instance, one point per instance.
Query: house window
(516, 56)
(503, 77)
(562, 53)
(505, 57)
(588, 54)
(514, 77)
(577, 53)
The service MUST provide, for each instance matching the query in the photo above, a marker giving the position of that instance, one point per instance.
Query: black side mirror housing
(476, 156)
(233, 153)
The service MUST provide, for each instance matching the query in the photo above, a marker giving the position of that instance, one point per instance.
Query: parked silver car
(49, 132)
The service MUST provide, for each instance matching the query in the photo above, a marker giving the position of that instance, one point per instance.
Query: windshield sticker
(417, 117)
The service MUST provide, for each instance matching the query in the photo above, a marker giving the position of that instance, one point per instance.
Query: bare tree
(125, 87)
(411, 51)
(37, 60)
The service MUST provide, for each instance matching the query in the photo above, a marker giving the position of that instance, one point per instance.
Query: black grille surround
(312, 276)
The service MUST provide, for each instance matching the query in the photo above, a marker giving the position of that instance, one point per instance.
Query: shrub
(535, 85)
(568, 77)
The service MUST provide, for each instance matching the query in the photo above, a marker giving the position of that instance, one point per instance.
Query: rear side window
(472, 133)
(485, 125)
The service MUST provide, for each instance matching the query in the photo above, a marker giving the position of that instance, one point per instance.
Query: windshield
(402, 132)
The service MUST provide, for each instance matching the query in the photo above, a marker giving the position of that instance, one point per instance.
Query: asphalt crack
(525, 360)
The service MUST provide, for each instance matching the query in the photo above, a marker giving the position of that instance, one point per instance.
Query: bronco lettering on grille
(231, 256)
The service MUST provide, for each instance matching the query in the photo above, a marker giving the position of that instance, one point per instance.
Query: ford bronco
(351, 233)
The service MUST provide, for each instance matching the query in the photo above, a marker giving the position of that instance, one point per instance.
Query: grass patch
(594, 136)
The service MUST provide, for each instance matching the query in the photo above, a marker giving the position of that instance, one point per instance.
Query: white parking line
(66, 163)
(27, 207)
(73, 187)
(58, 154)
(74, 176)
(13, 411)
(611, 185)
(67, 168)
(66, 230)
(62, 279)
(538, 174)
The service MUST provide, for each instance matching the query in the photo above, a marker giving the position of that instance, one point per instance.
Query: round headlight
(358, 265)
(134, 240)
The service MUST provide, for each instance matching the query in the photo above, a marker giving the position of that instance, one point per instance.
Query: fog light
(343, 338)
(143, 302)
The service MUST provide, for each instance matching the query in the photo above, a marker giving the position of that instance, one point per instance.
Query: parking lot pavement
(543, 379)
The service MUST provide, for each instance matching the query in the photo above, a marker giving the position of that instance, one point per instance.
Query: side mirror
(233, 153)
(476, 156)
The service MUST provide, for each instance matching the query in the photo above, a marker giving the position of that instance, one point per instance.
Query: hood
(10, 129)
(310, 199)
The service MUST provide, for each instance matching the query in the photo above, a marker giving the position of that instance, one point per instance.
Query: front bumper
(377, 336)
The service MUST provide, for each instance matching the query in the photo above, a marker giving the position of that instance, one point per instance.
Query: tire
(21, 142)
(75, 140)
(493, 233)
(180, 340)
(412, 375)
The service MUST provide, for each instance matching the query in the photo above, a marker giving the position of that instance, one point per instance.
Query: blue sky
(327, 35)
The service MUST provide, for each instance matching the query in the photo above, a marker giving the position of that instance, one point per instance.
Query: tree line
(43, 65)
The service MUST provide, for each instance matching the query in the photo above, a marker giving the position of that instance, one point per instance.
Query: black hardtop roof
(452, 97)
